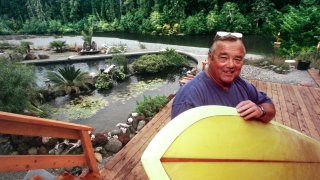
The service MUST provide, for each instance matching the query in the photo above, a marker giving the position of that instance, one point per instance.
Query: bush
(117, 74)
(156, 63)
(55, 26)
(16, 86)
(58, 45)
(195, 24)
(35, 26)
(150, 106)
(103, 82)
(149, 64)
(120, 60)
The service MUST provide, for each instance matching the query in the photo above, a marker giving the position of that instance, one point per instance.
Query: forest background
(297, 21)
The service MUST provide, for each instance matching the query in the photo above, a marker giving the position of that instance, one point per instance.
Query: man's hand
(249, 110)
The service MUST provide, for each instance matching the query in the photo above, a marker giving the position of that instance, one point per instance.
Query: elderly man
(220, 83)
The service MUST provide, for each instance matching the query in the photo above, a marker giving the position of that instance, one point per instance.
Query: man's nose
(230, 63)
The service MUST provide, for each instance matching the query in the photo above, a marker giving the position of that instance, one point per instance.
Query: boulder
(113, 145)
(43, 56)
(98, 157)
(141, 125)
(33, 151)
(100, 139)
(31, 56)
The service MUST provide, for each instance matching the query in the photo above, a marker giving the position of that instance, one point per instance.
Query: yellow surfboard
(214, 142)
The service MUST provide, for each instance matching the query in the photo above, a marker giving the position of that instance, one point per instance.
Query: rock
(98, 149)
(45, 140)
(98, 157)
(31, 56)
(141, 125)
(115, 132)
(135, 123)
(43, 56)
(130, 120)
(100, 139)
(113, 145)
(141, 117)
(14, 153)
(43, 150)
(122, 125)
(134, 114)
(124, 138)
(6, 148)
(148, 119)
(33, 151)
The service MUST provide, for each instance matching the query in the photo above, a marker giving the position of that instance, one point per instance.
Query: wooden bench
(33, 126)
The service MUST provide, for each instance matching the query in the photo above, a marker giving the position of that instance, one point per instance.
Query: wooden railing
(33, 126)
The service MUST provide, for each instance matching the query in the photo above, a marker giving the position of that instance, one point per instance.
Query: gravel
(294, 77)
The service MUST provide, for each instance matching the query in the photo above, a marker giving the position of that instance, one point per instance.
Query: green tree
(298, 28)
(69, 79)
(231, 19)
(17, 83)
(35, 9)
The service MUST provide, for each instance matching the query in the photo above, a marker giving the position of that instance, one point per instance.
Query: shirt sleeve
(258, 97)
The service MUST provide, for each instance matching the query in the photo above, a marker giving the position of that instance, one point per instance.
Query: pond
(103, 110)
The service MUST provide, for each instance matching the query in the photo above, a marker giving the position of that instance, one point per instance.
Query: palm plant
(69, 79)
(58, 45)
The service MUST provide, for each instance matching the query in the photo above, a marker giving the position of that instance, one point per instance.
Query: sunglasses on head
(224, 35)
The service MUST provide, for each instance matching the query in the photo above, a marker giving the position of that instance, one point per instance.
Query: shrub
(149, 64)
(16, 86)
(103, 82)
(156, 63)
(117, 74)
(150, 106)
(58, 45)
(55, 26)
(120, 60)
(35, 26)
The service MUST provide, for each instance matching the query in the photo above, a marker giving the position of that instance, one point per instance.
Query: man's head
(226, 58)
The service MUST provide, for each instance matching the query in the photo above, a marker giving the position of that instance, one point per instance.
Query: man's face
(226, 61)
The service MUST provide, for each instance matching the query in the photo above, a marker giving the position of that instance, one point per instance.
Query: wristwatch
(263, 111)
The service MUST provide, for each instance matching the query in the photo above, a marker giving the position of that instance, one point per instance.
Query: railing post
(89, 153)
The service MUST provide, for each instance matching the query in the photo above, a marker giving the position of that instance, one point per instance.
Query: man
(220, 83)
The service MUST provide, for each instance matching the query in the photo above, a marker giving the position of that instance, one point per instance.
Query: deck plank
(276, 102)
(298, 112)
(123, 159)
(296, 106)
(312, 107)
(315, 74)
(305, 113)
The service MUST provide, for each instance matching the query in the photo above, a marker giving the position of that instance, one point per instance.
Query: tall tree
(35, 9)
(74, 10)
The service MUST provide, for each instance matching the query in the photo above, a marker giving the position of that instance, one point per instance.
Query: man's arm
(249, 110)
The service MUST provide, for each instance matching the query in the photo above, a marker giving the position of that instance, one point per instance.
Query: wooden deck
(297, 107)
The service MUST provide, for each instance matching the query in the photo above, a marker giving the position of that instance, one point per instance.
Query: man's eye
(224, 58)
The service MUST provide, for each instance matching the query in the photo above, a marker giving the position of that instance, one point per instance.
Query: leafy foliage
(58, 45)
(120, 60)
(16, 86)
(151, 105)
(69, 79)
(157, 63)
(104, 82)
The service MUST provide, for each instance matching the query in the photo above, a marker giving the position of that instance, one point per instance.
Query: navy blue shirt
(201, 91)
